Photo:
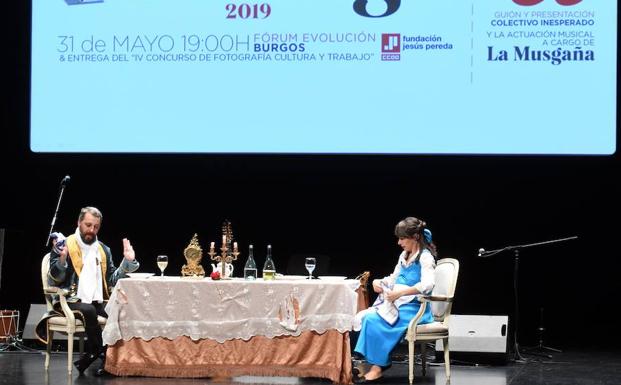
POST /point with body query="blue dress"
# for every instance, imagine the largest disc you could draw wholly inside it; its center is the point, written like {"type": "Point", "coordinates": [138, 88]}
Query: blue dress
{"type": "Point", "coordinates": [377, 337]}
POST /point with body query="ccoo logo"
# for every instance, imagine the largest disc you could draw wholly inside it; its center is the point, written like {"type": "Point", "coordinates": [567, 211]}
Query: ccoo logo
{"type": "Point", "coordinates": [391, 46]}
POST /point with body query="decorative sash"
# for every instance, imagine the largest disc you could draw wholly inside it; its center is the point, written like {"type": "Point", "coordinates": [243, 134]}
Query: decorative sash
{"type": "Point", "coordinates": [75, 253]}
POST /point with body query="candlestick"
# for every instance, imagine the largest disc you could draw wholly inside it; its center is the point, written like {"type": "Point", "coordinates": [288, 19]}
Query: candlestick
{"type": "Point", "coordinates": [226, 255]}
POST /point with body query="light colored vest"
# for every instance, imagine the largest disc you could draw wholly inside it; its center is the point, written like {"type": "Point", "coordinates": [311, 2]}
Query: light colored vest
{"type": "Point", "coordinates": [75, 253]}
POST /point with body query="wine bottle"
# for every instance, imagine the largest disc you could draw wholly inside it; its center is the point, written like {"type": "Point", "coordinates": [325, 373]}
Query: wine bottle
{"type": "Point", "coordinates": [269, 269]}
{"type": "Point", "coordinates": [250, 269]}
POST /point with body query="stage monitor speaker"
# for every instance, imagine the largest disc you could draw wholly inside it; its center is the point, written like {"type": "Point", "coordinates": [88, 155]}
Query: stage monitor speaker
{"type": "Point", "coordinates": [477, 336]}
{"type": "Point", "coordinates": [34, 315]}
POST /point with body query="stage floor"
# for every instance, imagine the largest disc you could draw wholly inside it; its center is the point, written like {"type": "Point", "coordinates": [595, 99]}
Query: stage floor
{"type": "Point", "coordinates": [570, 367]}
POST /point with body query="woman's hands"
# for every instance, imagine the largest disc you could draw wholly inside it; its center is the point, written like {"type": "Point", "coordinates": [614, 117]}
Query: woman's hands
{"type": "Point", "coordinates": [377, 286]}
{"type": "Point", "coordinates": [390, 295]}
{"type": "Point", "coordinates": [393, 295]}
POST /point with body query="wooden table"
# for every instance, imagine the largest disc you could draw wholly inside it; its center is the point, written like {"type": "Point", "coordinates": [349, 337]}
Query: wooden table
{"type": "Point", "coordinates": [174, 327]}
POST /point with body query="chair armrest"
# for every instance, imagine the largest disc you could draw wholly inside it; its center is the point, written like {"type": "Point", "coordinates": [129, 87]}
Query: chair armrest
{"type": "Point", "coordinates": [56, 290]}
{"type": "Point", "coordinates": [62, 296]}
{"type": "Point", "coordinates": [411, 332]}
{"type": "Point", "coordinates": [424, 299]}
{"type": "Point", "coordinates": [434, 298]}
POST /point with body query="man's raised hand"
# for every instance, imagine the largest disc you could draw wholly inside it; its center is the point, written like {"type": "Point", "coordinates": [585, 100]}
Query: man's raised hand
{"type": "Point", "coordinates": [128, 250]}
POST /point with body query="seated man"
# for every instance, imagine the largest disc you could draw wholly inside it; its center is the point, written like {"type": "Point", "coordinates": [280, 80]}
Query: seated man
{"type": "Point", "coordinates": [84, 266]}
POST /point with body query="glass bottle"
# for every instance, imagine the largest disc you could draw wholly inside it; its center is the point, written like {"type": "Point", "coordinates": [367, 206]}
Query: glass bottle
{"type": "Point", "coordinates": [269, 269]}
{"type": "Point", "coordinates": [250, 269]}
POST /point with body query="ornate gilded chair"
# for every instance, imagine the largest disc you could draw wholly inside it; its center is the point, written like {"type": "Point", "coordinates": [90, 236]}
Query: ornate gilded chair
{"type": "Point", "coordinates": [63, 321]}
{"type": "Point", "coordinates": [363, 291]}
{"type": "Point", "coordinates": [440, 300]}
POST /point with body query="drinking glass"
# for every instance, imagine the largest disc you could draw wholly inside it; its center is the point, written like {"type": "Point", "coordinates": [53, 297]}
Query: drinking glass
{"type": "Point", "coordinates": [310, 266]}
{"type": "Point", "coordinates": [162, 262]}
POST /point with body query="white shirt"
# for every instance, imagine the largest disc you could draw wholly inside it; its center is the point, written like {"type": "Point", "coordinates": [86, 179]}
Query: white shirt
{"type": "Point", "coordinates": [90, 286]}
{"type": "Point", "coordinates": [427, 272]}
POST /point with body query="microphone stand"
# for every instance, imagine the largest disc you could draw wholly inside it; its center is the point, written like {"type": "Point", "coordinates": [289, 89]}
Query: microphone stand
{"type": "Point", "coordinates": [63, 184]}
{"type": "Point", "coordinates": [516, 262]}
{"type": "Point", "coordinates": [541, 348]}
{"type": "Point", "coordinates": [15, 341]}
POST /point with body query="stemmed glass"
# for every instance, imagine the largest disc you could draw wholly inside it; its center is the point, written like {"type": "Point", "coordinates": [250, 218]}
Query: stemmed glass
{"type": "Point", "coordinates": [162, 262]}
{"type": "Point", "coordinates": [310, 263]}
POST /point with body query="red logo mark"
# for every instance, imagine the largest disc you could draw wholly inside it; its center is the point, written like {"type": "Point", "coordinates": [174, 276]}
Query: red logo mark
{"type": "Point", "coordinates": [391, 47]}
{"type": "Point", "coordinates": [391, 42]}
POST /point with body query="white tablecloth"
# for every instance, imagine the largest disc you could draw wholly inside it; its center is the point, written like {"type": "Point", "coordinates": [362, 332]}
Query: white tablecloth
{"type": "Point", "coordinates": [223, 310]}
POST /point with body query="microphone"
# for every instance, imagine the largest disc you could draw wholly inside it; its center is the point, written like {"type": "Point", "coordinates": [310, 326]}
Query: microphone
{"type": "Point", "coordinates": [481, 251]}
{"type": "Point", "coordinates": [65, 180]}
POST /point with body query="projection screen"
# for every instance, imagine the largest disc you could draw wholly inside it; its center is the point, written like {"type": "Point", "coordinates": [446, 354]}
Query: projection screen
{"type": "Point", "coordinates": [324, 76]}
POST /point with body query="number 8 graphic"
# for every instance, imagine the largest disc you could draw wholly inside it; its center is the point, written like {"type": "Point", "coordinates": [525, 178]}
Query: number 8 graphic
{"type": "Point", "coordinates": [360, 7]}
{"type": "Point", "coordinates": [535, 2]}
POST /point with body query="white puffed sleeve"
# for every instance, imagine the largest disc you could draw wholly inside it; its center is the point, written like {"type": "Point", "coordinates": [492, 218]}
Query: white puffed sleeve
{"type": "Point", "coordinates": [427, 273]}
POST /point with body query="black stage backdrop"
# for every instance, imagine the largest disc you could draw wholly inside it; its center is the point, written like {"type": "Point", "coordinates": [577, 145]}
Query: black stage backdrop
{"type": "Point", "coordinates": [341, 206]}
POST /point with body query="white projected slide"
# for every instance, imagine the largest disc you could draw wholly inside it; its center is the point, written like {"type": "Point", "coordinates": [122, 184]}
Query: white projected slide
{"type": "Point", "coordinates": [324, 76]}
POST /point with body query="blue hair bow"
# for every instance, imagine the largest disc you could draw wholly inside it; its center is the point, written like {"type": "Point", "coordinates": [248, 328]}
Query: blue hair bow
{"type": "Point", "coordinates": [427, 235]}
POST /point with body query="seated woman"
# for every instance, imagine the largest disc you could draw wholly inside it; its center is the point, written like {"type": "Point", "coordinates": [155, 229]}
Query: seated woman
{"type": "Point", "coordinates": [385, 323]}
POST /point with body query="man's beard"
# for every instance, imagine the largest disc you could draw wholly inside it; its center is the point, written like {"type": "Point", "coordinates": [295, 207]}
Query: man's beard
{"type": "Point", "coordinates": [88, 242]}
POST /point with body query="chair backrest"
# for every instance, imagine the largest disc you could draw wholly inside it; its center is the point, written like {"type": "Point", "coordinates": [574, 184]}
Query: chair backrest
{"type": "Point", "coordinates": [446, 273]}
{"type": "Point", "coordinates": [45, 269]}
